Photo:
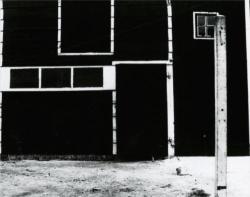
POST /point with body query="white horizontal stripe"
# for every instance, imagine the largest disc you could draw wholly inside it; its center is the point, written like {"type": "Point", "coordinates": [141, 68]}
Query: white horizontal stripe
{"type": "Point", "coordinates": [142, 62]}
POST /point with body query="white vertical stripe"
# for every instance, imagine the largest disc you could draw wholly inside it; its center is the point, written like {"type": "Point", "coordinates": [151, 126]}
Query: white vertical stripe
{"type": "Point", "coordinates": [109, 77]}
{"type": "Point", "coordinates": [169, 9]}
{"type": "Point", "coordinates": [114, 137]}
{"type": "Point", "coordinates": [114, 123]}
{"type": "Point", "coordinates": [40, 77]}
{"type": "Point", "coordinates": [170, 56]}
{"type": "Point", "coordinates": [220, 107]}
{"type": "Point", "coordinates": [112, 23]}
{"type": "Point", "coordinates": [170, 86]}
{"type": "Point", "coordinates": [170, 107]}
{"type": "Point", "coordinates": [71, 77]}
{"type": "Point", "coordinates": [170, 46]}
{"type": "Point", "coordinates": [170, 22]}
{"type": "Point", "coordinates": [114, 149]}
{"type": "Point", "coordinates": [170, 36]}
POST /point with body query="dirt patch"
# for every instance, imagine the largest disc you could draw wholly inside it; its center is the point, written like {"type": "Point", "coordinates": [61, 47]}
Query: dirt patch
{"type": "Point", "coordinates": [121, 179]}
{"type": "Point", "coordinates": [198, 193]}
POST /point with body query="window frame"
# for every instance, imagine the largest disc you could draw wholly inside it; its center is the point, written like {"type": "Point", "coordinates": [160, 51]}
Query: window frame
{"type": "Point", "coordinates": [109, 79]}
{"type": "Point", "coordinates": [195, 24]}
{"type": "Point", "coordinates": [90, 53]}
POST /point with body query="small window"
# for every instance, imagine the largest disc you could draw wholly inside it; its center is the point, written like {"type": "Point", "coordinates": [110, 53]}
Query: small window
{"type": "Point", "coordinates": [204, 24]}
{"type": "Point", "coordinates": [56, 78]}
{"type": "Point", "coordinates": [88, 77]}
{"type": "Point", "coordinates": [24, 78]}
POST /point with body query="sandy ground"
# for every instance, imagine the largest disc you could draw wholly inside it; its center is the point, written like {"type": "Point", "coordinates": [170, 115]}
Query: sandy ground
{"type": "Point", "coordinates": [125, 179]}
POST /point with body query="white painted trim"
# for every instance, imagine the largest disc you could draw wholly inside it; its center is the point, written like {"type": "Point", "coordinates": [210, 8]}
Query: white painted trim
{"type": "Point", "coordinates": [39, 77]}
{"type": "Point", "coordinates": [142, 62]}
{"type": "Point", "coordinates": [66, 66]}
{"type": "Point", "coordinates": [114, 123]}
{"type": "Point", "coordinates": [170, 98]}
{"type": "Point", "coordinates": [194, 24]}
{"type": "Point", "coordinates": [170, 30]}
{"type": "Point", "coordinates": [170, 110]}
{"type": "Point", "coordinates": [71, 77]}
{"type": "Point", "coordinates": [59, 34]}
{"type": "Point", "coordinates": [247, 20]}
{"type": "Point", "coordinates": [109, 79]}
{"type": "Point", "coordinates": [169, 8]}
{"type": "Point", "coordinates": [82, 54]}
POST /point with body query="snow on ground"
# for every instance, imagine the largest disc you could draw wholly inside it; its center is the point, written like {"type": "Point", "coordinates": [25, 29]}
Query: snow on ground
{"type": "Point", "coordinates": [123, 179]}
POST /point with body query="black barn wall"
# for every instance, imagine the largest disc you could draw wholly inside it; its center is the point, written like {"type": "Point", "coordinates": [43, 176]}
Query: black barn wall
{"type": "Point", "coordinates": [194, 80]}
{"type": "Point", "coordinates": [30, 33]}
{"type": "Point", "coordinates": [30, 39]}
{"type": "Point", "coordinates": [59, 123]}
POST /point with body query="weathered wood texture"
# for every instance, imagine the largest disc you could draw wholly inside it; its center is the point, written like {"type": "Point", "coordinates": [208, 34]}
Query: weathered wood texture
{"type": "Point", "coordinates": [170, 108]}
{"type": "Point", "coordinates": [220, 45]}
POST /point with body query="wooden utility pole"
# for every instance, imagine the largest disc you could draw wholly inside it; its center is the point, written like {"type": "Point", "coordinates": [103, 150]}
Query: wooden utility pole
{"type": "Point", "coordinates": [220, 107]}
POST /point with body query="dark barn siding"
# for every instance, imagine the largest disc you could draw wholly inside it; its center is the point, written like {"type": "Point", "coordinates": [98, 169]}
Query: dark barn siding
{"type": "Point", "coordinates": [30, 33]}
{"type": "Point", "coordinates": [86, 27]}
{"type": "Point", "coordinates": [57, 123]}
{"type": "Point", "coordinates": [141, 111]}
{"type": "Point", "coordinates": [194, 81]}
{"type": "Point", "coordinates": [141, 30]}
{"type": "Point", "coordinates": [30, 36]}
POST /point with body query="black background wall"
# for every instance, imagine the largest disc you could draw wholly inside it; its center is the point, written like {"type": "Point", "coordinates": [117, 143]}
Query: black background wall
{"type": "Point", "coordinates": [194, 80]}
{"type": "Point", "coordinates": [57, 123]}
{"type": "Point", "coordinates": [30, 32]}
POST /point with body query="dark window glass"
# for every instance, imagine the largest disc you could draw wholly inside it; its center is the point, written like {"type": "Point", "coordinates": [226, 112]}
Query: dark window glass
{"type": "Point", "coordinates": [211, 20]}
{"type": "Point", "coordinates": [86, 26]}
{"type": "Point", "coordinates": [201, 20]}
{"type": "Point", "coordinates": [205, 25]}
{"type": "Point", "coordinates": [201, 31]}
{"type": "Point", "coordinates": [24, 78]}
{"type": "Point", "coordinates": [210, 31]}
{"type": "Point", "coordinates": [56, 78]}
{"type": "Point", "coordinates": [88, 77]}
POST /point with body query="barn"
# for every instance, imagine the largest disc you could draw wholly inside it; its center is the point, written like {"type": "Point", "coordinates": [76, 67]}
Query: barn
{"type": "Point", "coordinates": [112, 79]}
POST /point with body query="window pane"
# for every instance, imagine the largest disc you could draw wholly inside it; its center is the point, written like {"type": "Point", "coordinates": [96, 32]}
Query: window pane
{"type": "Point", "coordinates": [24, 78]}
{"type": "Point", "coordinates": [88, 77]}
{"type": "Point", "coordinates": [201, 31]}
{"type": "Point", "coordinates": [86, 26]}
{"type": "Point", "coordinates": [210, 20]}
{"type": "Point", "coordinates": [210, 31]}
{"type": "Point", "coordinates": [55, 78]}
{"type": "Point", "coordinates": [200, 20]}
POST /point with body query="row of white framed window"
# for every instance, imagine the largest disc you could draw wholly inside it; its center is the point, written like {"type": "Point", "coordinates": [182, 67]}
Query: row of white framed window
{"type": "Point", "coordinates": [66, 78]}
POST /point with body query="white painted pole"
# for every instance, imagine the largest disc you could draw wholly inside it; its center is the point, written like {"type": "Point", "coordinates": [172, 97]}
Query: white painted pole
{"type": "Point", "coordinates": [247, 20]}
{"type": "Point", "coordinates": [220, 107]}
{"type": "Point", "coordinates": [170, 85]}
{"type": "Point", "coordinates": [170, 106]}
